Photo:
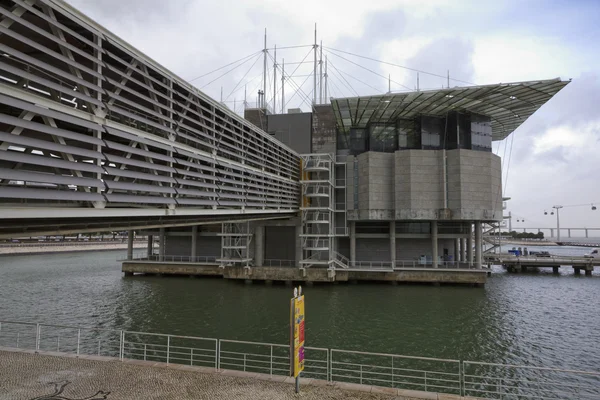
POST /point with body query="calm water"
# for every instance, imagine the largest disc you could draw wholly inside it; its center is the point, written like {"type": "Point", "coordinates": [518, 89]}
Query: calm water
{"type": "Point", "coordinates": [534, 319]}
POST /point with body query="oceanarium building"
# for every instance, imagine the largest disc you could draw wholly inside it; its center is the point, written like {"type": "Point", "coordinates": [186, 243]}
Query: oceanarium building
{"type": "Point", "coordinates": [395, 180]}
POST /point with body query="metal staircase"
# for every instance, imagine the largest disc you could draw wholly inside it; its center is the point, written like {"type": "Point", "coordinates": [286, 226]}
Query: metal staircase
{"type": "Point", "coordinates": [235, 244]}
{"type": "Point", "coordinates": [318, 208]}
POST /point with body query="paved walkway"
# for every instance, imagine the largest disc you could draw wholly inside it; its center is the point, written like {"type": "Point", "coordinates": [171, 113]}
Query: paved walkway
{"type": "Point", "coordinates": [25, 375]}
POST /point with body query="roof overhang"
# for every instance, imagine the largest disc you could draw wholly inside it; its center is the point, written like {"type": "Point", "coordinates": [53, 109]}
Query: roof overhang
{"type": "Point", "coordinates": [507, 104]}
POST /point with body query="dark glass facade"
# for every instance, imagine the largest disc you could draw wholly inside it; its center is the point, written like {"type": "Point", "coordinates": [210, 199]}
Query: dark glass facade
{"type": "Point", "coordinates": [453, 131]}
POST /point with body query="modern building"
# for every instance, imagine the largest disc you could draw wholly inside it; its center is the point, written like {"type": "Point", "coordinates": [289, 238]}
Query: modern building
{"type": "Point", "coordinates": [400, 179]}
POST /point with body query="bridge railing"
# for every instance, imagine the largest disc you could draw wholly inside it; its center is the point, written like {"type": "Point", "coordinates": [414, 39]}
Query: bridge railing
{"type": "Point", "coordinates": [466, 378]}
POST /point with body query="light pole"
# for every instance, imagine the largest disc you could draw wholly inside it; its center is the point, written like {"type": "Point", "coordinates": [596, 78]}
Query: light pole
{"type": "Point", "coordinates": [557, 208]}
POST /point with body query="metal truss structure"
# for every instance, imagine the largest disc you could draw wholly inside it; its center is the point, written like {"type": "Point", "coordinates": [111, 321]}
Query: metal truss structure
{"type": "Point", "coordinates": [91, 127]}
{"type": "Point", "coordinates": [236, 238]}
{"type": "Point", "coordinates": [318, 210]}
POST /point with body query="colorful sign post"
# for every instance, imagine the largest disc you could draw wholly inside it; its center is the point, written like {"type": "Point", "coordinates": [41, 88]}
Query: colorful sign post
{"type": "Point", "coordinates": [297, 335]}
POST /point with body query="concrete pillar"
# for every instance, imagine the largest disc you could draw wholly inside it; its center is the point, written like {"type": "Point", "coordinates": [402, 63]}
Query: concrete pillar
{"type": "Point", "coordinates": [569, 232]}
{"type": "Point", "coordinates": [470, 248]}
{"type": "Point", "coordinates": [161, 245]}
{"type": "Point", "coordinates": [589, 271]}
{"type": "Point", "coordinates": [298, 245]}
{"type": "Point", "coordinates": [194, 252]}
{"type": "Point", "coordinates": [551, 232]}
{"type": "Point", "coordinates": [555, 270]}
{"type": "Point", "coordinates": [393, 243]}
{"type": "Point", "coordinates": [478, 245]}
{"type": "Point", "coordinates": [434, 244]}
{"type": "Point", "coordinates": [259, 245]}
{"type": "Point", "coordinates": [463, 250]}
{"type": "Point", "coordinates": [130, 245]}
{"type": "Point", "coordinates": [150, 248]}
{"type": "Point", "coordinates": [586, 233]}
{"type": "Point", "coordinates": [456, 251]}
{"type": "Point", "coordinates": [352, 242]}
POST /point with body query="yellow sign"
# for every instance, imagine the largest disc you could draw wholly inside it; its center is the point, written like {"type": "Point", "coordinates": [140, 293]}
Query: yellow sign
{"type": "Point", "coordinates": [298, 319]}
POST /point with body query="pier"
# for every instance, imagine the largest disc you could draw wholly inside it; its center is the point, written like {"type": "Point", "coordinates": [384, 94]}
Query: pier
{"type": "Point", "coordinates": [522, 263]}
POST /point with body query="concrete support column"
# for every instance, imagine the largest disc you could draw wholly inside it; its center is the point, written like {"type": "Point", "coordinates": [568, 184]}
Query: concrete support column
{"type": "Point", "coordinates": [434, 244]}
{"type": "Point", "coordinates": [586, 233]}
{"type": "Point", "coordinates": [150, 249]}
{"type": "Point", "coordinates": [456, 251]}
{"type": "Point", "coordinates": [194, 252]}
{"type": "Point", "coordinates": [161, 245]}
{"type": "Point", "coordinates": [470, 247]}
{"type": "Point", "coordinates": [463, 249]}
{"type": "Point", "coordinates": [130, 245]}
{"type": "Point", "coordinates": [259, 245]}
{"type": "Point", "coordinates": [298, 245]}
{"type": "Point", "coordinates": [478, 245]}
{"type": "Point", "coordinates": [393, 243]}
{"type": "Point", "coordinates": [352, 242]}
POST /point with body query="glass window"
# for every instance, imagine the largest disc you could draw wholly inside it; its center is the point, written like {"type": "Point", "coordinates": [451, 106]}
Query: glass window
{"type": "Point", "coordinates": [382, 138]}
{"type": "Point", "coordinates": [409, 134]}
{"type": "Point", "coordinates": [431, 130]}
{"type": "Point", "coordinates": [358, 141]}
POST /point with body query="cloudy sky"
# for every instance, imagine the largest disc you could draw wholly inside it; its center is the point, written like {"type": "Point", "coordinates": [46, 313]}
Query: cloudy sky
{"type": "Point", "coordinates": [555, 156]}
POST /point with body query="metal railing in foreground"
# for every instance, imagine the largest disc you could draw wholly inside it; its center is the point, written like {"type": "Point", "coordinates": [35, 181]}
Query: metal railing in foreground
{"type": "Point", "coordinates": [466, 378]}
{"type": "Point", "coordinates": [528, 382]}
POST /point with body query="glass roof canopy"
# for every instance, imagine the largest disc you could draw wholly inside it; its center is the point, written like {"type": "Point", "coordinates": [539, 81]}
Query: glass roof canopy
{"type": "Point", "coordinates": [507, 104]}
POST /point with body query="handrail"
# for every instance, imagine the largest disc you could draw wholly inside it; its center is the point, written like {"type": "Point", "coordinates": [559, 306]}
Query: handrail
{"type": "Point", "coordinates": [465, 378]}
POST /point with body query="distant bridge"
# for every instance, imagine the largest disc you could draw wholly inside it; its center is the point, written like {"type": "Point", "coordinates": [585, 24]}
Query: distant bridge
{"type": "Point", "coordinates": [97, 136]}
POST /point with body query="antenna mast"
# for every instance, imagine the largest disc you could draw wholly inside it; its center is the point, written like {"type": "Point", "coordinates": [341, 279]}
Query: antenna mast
{"type": "Point", "coordinates": [275, 80]}
{"type": "Point", "coordinates": [326, 78]}
{"type": "Point", "coordinates": [321, 75]}
{"type": "Point", "coordinates": [264, 71]}
{"type": "Point", "coordinates": [283, 85]}
{"type": "Point", "coordinates": [315, 68]}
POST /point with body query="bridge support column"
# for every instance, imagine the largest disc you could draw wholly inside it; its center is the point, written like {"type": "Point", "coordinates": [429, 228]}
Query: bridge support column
{"type": "Point", "coordinates": [194, 252]}
{"type": "Point", "coordinates": [130, 245]}
{"type": "Point", "coordinates": [470, 250]}
{"type": "Point", "coordinates": [569, 232]}
{"type": "Point", "coordinates": [434, 244]}
{"type": "Point", "coordinates": [586, 233]}
{"type": "Point", "coordinates": [456, 251]}
{"type": "Point", "coordinates": [352, 242]}
{"type": "Point", "coordinates": [393, 243]}
{"type": "Point", "coordinates": [576, 271]}
{"type": "Point", "coordinates": [259, 245]}
{"type": "Point", "coordinates": [150, 249]}
{"type": "Point", "coordinates": [161, 245]}
{"type": "Point", "coordinates": [478, 245]}
{"type": "Point", "coordinates": [555, 270]}
{"type": "Point", "coordinates": [589, 271]}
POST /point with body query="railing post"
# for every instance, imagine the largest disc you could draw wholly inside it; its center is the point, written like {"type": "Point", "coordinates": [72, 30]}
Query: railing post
{"type": "Point", "coordinates": [392, 371]}
{"type": "Point", "coordinates": [78, 340]}
{"type": "Point", "coordinates": [37, 337]}
{"type": "Point", "coordinates": [327, 367]}
{"type": "Point", "coordinates": [18, 334]}
{"type": "Point", "coordinates": [122, 339]}
{"type": "Point", "coordinates": [244, 362]}
{"type": "Point", "coordinates": [361, 374]}
{"type": "Point", "coordinates": [425, 380]}
{"type": "Point", "coordinates": [99, 346]}
{"type": "Point", "coordinates": [192, 357]}
{"type": "Point", "coordinates": [271, 368]}
{"type": "Point", "coordinates": [168, 347]}
{"type": "Point", "coordinates": [461, 377]}
{"type": "Point", "coordinates": [218, 355]}
{"type": "Point", "coordinates": [145, 346]}
{"type": "Point", "coordinates": [58, 343]}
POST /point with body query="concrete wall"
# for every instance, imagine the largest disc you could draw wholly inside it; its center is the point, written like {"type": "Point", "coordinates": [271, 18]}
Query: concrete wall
{"type": "Point", "coordinates": [280, 243]}
{"type": "Point", "coordinates": [294, 130]}
{"type": "Point", "coordinates": [257, 116]}
{"type": "Point", "coordinates": [373, 249]}
{"type": "Point", "coordinates": [409, 185]}
{"type": "Point", "coordinates": [378, 249]}
{"type": "Point", "coordinates": [182, 245]}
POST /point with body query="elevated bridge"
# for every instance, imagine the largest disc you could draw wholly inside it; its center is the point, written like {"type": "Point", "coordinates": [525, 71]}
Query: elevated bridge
{"type": "Point", "coordinates": [94, 135]}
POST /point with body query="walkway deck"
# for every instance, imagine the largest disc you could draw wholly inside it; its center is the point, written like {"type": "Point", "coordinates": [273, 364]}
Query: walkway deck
{"type": "Point", "coordinates": [26, 375]}
{"type": "Point", "coordinates": [522, 263]}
